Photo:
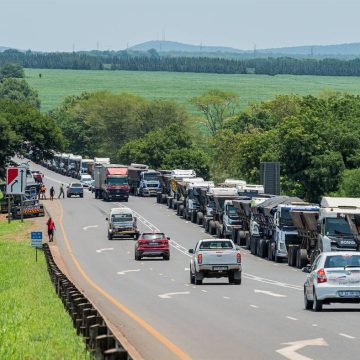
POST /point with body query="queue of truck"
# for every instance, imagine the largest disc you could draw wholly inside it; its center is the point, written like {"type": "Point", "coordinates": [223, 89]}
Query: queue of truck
{"type": "Point", "coordinates": [278, 228]}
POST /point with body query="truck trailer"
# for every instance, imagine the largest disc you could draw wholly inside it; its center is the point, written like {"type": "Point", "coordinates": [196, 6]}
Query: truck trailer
{"type": "Point", "coordinates": [111, 182]}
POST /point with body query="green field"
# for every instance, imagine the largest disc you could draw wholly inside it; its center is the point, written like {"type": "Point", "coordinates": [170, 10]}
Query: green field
{"type": "Point", "coordinates": [33, 322]}
{"type": "Point", "coordinates": [55, 85]}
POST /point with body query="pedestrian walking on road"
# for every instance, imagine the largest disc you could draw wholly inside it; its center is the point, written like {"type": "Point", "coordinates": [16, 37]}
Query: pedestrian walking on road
{"type": "Point", "coordinates": [61, 191]}
{"type": "Point", "coordinates": [52, 193]}
{"type": "Point", "coordinates": [43, 192]}
{"type": "Point", "coordinates": [51, 228]}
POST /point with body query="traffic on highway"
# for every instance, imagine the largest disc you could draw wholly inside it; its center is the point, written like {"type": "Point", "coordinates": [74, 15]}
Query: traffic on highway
{"type": "Point", "coordinates": [289, 256]}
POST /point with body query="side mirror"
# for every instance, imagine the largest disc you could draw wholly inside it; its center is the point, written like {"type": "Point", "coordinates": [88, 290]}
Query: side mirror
{"type": "Point", "coordinates": [306, 269]}
{"type": "Point", "coordinates": [318, 228]}
{"type": "Point", "coordinates": [168, 237]}
{"type": "Point", "coordinates": [191, 251]}
{"type": "Point", "coordinates": [107, 219]}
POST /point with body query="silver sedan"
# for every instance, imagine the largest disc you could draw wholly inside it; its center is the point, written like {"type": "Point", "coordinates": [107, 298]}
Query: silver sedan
{"type": "Point", "coordinates": [334, 277]}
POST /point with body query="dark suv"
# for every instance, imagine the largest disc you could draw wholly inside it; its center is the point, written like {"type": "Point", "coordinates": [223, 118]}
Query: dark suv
{"type": "Point", "coordinates": [75, 189]}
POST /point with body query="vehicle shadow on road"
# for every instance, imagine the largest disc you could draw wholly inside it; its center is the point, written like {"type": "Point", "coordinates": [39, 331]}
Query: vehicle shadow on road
{"type": "Point", "coordinates": [341, 310]}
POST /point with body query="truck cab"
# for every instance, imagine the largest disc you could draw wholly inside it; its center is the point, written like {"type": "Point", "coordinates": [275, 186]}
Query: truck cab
{"type": "Point", "coordinates": [149, 183]}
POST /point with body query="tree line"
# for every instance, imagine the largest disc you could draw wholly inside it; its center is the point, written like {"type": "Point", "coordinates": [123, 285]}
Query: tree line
{"type": "Point", "coordinates": [152, 61]}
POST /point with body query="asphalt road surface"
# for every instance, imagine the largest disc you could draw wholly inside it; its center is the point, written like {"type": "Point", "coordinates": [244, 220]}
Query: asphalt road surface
{"type": "Point", "coordinates": [165, 317]}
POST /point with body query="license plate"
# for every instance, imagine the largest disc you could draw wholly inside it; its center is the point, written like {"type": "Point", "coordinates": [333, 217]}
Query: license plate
{"type": "Point", "coordinates": [220, 268]}
{"type": "Point", "coordinates": [349, 293]}
{"type": "Point", "coordinates": [153, 244]}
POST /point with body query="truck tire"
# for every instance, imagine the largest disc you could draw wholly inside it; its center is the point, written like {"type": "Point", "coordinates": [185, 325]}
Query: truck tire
{"type": "Point", "coordinates": [110, 236]}
{"type": "Point", "coordinates": [206, 223]}
{"type": "Point", "coordinates": [212, 227]}
{"type": "Point", "coordinates": [193, 217]}
{"type": "Point", "coordinates": [248, 237]}
{"type": "Point", "coordinates": [301, 258]}
{"type": "Point", "coordinates": [181, 210]}
{"type": "Point", "coordinates": [219, 231]}
{"type": "Point", "coordinates": [242, 237]}
{"type": "Point", "coordinates": [175, 204]}
{"type": "Point", "coordinates": [163, 199]}
{"type": "Point", "coordinates": [270, 255]}
{"type": "Point", "coordinates": [96, 194]}
{"type": "Point", "coordinates": [292, 257]}
{"type": "Point", "coordinates": [234, 235]}
{"type": "Point", "coordinates": [262, 248]}
{"type": "Point", "coordinates": [158, 198]}
{"type": "Point", "coordinates": [199, 218]}
{"type": "Point", "coordinates": [185, 214]}
{"type": "Point", "coordinates": [168, 202]}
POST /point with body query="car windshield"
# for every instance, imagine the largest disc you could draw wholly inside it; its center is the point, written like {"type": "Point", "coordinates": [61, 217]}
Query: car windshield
{"type": "Point", "coordinates": [158, 236]}
{"type": "Point", "coordinates": [117, 180]}
{"type": "Point", "coordinates": [151, 177]}
{"type": "Point", "coordinates": [285, 217]}
{"type": "Point", "coordinates": [334, 261]}
{"type": "Point", "coordinates": [337, 226]}
{"type": "Point", "coordinates": [76, 185]}
{"type": "Point", "coordinates": [86, 178]}
{"type": "Point", "coordinates": [215, 245]}
{"type": "Point", "coordinates": [121, 217]}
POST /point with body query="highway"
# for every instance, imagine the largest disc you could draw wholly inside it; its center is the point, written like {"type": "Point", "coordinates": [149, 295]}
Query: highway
{"type": "Point", "coordinates": [165, 317]}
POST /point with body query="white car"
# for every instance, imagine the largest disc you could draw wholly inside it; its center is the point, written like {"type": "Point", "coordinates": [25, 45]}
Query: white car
{"type": "Point", "coordinates": [334, 277]}
{"type": "Point", "coordinates": [85, 180]}
{"type": "Point", "coordinates": [215, 258]}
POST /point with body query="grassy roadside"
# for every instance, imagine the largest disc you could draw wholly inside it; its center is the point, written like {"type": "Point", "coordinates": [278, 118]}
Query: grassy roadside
{"type": "Point", "coordinates": [33, 321]}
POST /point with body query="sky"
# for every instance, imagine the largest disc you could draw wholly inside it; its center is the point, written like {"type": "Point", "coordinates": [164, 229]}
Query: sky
{"type": "Point", "coordinates": [67, 25]}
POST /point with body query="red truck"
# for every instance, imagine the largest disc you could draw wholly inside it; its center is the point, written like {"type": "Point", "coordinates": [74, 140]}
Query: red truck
{"type": "Point", "coordinates": [111, 182]}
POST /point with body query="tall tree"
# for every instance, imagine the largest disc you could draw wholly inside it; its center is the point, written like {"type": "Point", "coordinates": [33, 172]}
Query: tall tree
{"type": "Point", "coordinates": [11, 71]}
{"type": "Point", "coordinates": [217, 106]}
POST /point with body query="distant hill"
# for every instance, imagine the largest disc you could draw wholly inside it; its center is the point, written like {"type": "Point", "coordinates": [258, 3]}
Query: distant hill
{"type": "Point", "coordinates": [172, 46]}
{"type": "Point", "coordinates": [352, 49]}
{"type": "Point", "coordinates": [3, 48]}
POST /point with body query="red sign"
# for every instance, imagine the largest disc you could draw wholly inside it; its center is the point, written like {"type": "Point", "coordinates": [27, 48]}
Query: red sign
{"type": "Point", "coordinates": [11, 175]}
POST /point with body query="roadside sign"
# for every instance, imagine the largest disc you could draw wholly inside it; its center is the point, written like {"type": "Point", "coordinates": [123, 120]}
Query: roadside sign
{"type": "Point", "coordinates": [15, 180]}
{"type": "Point", "coordinates": [36, 239]}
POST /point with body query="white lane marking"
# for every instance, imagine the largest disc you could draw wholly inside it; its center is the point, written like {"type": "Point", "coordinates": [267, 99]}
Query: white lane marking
{"type": "Point", "coordinates": [292, 318]}
{"type": "Point", "coordinates": [90, 227]}
{"type": "Point", "coordinates": [127, 271]}
{"type": "Point", "coordinates": [187, 285]}
{"type": "Point", "coordinates": [226, 298]}
{"type": "Point", "coordinates": [160, 274]}
{"type": "Point", "coordinates": [314, 325]}
{"type": "Point", "coordinates": [272, 282]}
{"type": "Point", "coordinates": [172, 279]}
{"type": "Point", "coordinates": [186, 269]}
{"type": "Point", "coordinates": [105, 249]}
{"type": "Point", "coordinates": [347, 336]}
{"type": "Point", "coordinates": [270, 293]}
{"type": "Point", "coordinates": [169, 295]}
{"type": "Point", "coordinates": [205, 291]}
{"type": "Point", "coordinates": [290, 351]}
{"type": "Point", "coordinates": [254, 306]}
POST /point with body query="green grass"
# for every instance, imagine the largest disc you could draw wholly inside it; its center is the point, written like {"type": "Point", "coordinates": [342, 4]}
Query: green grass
{"type": "Point", "coordinates": [33, 321]}
{"type": "Point", "coordinates": [55, 85]}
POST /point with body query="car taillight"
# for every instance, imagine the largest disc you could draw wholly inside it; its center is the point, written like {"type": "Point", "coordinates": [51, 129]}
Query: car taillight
{"type": "Point", "coordinates": [199, 258]}
{"type": "Point", "coordinates": [321, 276]}
{"type": "Point", "coordinates": [238, 257]}
{"type": "Point", "coordinates": [142, 242]}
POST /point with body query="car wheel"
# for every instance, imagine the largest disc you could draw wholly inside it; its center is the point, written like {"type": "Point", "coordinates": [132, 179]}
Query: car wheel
{"type": "Point", "coordinates": [231, 278]}
{"type": "Point", "coordinates": [110, 237]}
{"type": "Point", "coordinates": [318, 304]}
{"type": "Point", "coordinates": [308, 304]}
{"type": "Point", "coordinates": [81, 195]}
{"type": "Point", "coordinates": [166, 257]}
{"type": "Point", "coordinates": [198, 281]}
{"type": "Point", "coordinates": [137, 256]}
{"type": "Point", "coordinates": [192, 277]}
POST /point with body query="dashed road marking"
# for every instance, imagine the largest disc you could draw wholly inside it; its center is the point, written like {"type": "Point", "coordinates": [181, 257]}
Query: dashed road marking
{"type": "Point", "coordinates": [127, 271]}
{"type": "Point", "coordinates": [347, 336]}
{"type": "Point", "coordinates": [254, 306]}
{"type": "Point", "coordinates": [292, 318]}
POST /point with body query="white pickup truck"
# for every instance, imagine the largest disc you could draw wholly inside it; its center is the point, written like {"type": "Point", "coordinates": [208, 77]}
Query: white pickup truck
{"type": "Point", "coordinates": [215, 258]}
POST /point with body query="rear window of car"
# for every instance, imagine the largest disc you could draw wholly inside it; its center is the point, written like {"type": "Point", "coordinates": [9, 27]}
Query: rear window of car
{"type": "Point", "coordinates": [216, 245]}
{"type": "Point", "coordinates": [76, 185]}
{"type": "Point", "coordinates": [334, 261]}
{"type": "Point", "coordinates": [153, 236]}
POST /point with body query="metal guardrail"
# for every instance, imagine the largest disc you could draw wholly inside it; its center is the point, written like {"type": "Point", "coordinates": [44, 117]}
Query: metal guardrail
{"type": "Point", "coordinates": [99, 339]}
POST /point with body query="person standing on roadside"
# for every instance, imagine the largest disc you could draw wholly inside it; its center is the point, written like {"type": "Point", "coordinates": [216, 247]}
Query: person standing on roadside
{"type": "Point", "coordinates": [52, 193]}
{"type": "Point", "coordinates": [61, 191]}
{"type": "Point", "coordinates": [51, 228]}
{"type": "Point", "coordinates": [43, 192]}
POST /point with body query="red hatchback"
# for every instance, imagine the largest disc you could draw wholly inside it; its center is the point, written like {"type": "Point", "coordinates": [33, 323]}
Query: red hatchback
{"type": "Point", "coordinates": [152, 244]}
